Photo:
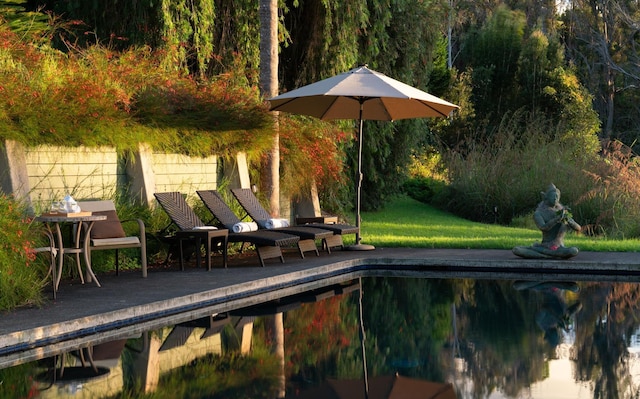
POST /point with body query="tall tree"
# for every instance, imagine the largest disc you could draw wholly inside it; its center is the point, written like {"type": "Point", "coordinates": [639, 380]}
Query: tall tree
{"type": "Point", "coordinates": [268, 89]}
{"type": "Point", "coordinates": [602, 38]}
{"type": "Point", "coordinates": [271, 165]}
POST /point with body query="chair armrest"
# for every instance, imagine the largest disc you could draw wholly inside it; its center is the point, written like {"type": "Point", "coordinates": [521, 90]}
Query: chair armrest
{"type": "Point", "coordinates": [141, 225]}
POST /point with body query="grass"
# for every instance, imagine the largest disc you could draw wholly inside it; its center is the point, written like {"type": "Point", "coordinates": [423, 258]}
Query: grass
{"type": "Point", "coordinates": [405, 222]}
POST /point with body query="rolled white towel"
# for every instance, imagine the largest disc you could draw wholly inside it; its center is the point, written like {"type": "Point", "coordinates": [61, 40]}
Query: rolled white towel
{"type": "Point", "coordinates": [241, 227]}
{"type": "Point", "coordinates": [276, 223]}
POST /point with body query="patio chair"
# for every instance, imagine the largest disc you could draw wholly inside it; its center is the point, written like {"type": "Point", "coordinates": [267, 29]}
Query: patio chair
{"type": "Point", "coordinates": [268, 244]}
{"type": "Point", "coordinates": [221, 211]}
{"type": "Point", "coordinates": [110, 235]}
{"type": "Point", "coordinates": [256, 211]}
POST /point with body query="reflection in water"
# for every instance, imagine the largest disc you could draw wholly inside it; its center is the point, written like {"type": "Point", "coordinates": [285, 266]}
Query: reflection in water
{"type": "Point", "coordinates": [554, 316]}
{"type": "Point", "coordinates": [97, 366]}
{"type": "Point", "coordinates": [608, 321]}
{"type": "Point", "coordinates": [490, 338]}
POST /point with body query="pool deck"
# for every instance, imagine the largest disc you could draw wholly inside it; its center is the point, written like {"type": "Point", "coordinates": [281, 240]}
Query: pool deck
{"type": "Point", "coordinates": [128, 304]}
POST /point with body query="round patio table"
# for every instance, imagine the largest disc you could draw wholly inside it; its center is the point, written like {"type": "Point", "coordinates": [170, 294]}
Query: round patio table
{"type": "Point", "coordinates": [80, 241]}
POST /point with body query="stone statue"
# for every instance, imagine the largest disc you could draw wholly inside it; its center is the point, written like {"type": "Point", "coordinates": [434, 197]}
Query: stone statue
{"type": "Point", "coordinates": [554, 220]}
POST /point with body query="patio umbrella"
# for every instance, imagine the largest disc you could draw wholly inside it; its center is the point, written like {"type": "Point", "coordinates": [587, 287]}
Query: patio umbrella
{"type": "Point", "coordinates": [382, 387]}
{"type": "Point", "coordinates": [362, 94]}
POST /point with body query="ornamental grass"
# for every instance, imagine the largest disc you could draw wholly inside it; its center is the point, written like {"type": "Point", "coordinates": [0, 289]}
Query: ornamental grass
{"type": "Point", "coordinates": [21, 270]}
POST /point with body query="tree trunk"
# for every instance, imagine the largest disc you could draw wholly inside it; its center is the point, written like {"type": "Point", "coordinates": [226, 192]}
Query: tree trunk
{"type": "Point", "coordinates": [271, 166]}
{"type": "Point", "coordinates": [278, 350]}
{"type": "Point", "coordinates": [270, 175]}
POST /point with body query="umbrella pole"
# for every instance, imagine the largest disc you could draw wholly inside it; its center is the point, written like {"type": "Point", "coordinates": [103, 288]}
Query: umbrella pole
{"type": "Point", "coordinates": [358, 246]}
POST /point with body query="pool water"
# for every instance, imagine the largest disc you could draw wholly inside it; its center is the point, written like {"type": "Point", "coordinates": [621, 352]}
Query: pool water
{"type": "Point", "coordinates": [487, 338]}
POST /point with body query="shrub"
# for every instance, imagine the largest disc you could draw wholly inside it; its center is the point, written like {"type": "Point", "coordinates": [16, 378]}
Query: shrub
{"type": "Point", "coordinates": [609, 200]}
{"type": "Point", "coordinates": [502, 178]}
{"type": "Point", "coordinates": [19, 266]}
{"type": "Point", "coordinates": [101, 97]}
{"type": "Point", "coordinates": [423, 189]}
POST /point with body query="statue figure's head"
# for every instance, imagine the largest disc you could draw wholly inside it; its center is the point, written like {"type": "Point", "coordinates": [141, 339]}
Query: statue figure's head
{"type": "Point", "coordinates": [552, 196]}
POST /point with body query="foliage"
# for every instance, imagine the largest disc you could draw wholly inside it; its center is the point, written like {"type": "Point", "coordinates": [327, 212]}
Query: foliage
{"type": "Point", "coordinates": [318, 336]}
{"type": "Point", "coordinates": [236, 39]}
{"type": "Point", "coordinates": [407, 321]}
{"type": "Point", "coordinates": [18, 381]}
{"type": "Point", "coordinates": [310, 152]}
{"type": "Point", "coordinates": [30, 23]}
{"type": "Point", "coordinates": [99, 97]}
{"type": "Point", "coordinates": [21, 271]}
{"type": "Point", "coordinates": [499, 180]}
{"type": "Point", "coordinates": [495, 312]}
{"type": "Point", "coordinates": [203, 38]}
{"type": "Point", "coordinates": [187, 28]}
{"type": "Point", "coordinates": [513, 70]}
{"type": "Point", "coordinates": [228, 376]}
{"type": "Point", "coordinates": [324, 40]}
{"type": "Point", "coordinates": [423, 188]}
{"type": "Point", "coordinates": [110, 22]}
{"type": "Point", "coordinates": [493, 52]}
{"type": "Point", "coordinates": [506, 172]}
{"type": "Point", "coordinates": [607, 201]}
{"type": "Point", "coordinates": [427, 177]}
{"type": "Point", "coordinates": [601, 41]}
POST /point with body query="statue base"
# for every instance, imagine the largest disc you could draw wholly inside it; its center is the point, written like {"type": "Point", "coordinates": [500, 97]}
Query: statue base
{"type": "Point", "coordinates": [540, 252]}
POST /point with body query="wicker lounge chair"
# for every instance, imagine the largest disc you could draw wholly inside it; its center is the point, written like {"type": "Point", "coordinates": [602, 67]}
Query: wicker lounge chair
{"type": "Point", "coordinates": [308, 235]}
{"type": "Point", "coordinates": [182, 215]}
{"type": "Point", "coordinates": [252, 206]}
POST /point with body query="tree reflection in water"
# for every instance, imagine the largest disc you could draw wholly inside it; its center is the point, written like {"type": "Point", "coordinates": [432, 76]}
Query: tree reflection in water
{"type": "Point", "coordinates": [499, 341]}
{"type": "Point", "coordinates": [506, 336]}
{"type": "Point", "coordinates": [605, 328]}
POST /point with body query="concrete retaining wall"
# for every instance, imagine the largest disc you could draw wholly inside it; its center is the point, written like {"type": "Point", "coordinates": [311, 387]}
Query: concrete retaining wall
{"type": "Point", "coordinates": [44, 174]}
{"type": "Point", "coordinates": [83, 172]}
{"type": "Point", "coordinates": [174, 172]}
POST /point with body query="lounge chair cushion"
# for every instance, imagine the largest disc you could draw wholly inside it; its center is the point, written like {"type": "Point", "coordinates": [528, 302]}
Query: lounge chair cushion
{"type": "Point", "coordinates": [110, 228]}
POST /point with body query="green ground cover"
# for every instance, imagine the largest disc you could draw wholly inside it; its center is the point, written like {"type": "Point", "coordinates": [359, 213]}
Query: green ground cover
{"type": "Point", "coordinates": [405, 222]}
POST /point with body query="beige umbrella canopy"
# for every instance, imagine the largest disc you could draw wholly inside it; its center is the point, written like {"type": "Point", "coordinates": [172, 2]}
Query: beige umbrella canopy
{"type": "Point", "coordinates": [362, 94]}
{"type": "Point", "coordinates": [383, 387]}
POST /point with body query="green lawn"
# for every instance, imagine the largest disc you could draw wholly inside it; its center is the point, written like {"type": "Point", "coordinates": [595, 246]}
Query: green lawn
{"type": "Point", "coordinates": [405, 222]}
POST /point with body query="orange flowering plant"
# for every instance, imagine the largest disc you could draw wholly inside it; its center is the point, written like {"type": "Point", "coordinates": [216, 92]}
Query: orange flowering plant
{"type": "Point", "coordinates": [311, 151]}
{"type": "Point", "coordinates": [98, 97]}
{"type": "Point", "coordinates": [19, 267]}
